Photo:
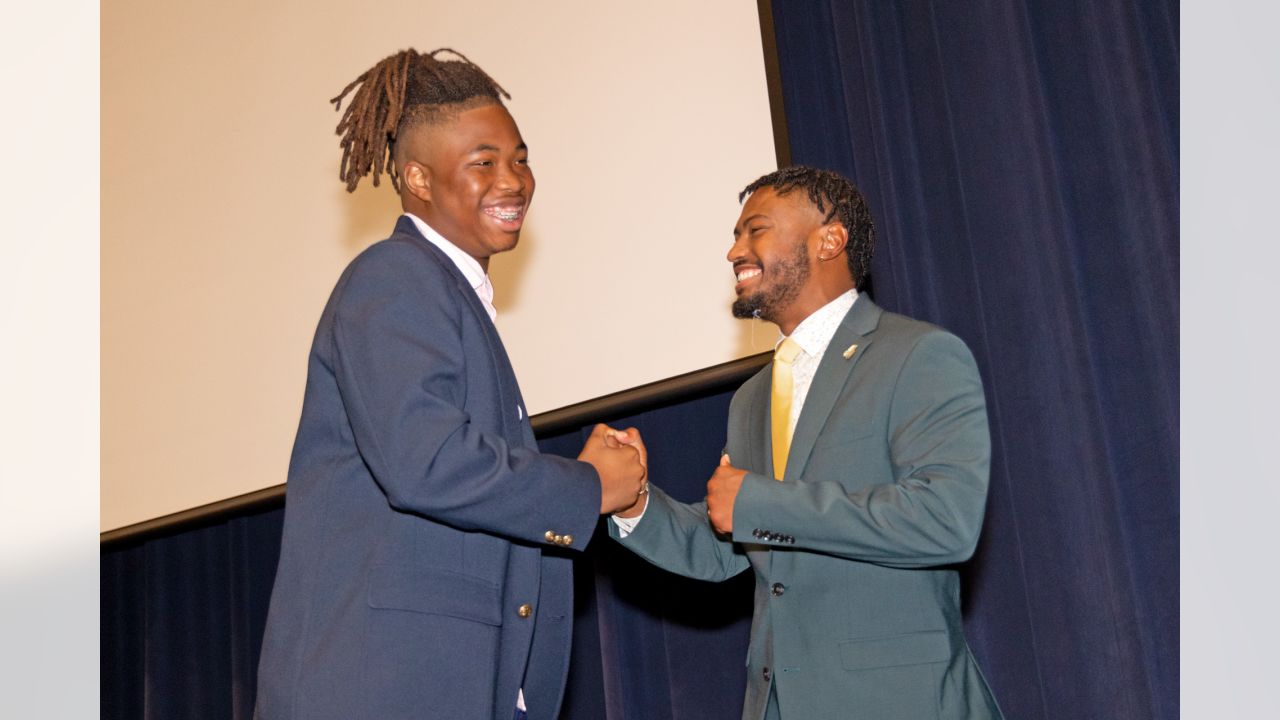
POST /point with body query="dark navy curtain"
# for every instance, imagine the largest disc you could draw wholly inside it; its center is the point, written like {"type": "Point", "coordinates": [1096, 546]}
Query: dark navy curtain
{"type": "Point", "coordinates": [182, 618]}
{"type": "Point", "coordinates": [1021, 161]}
{"type": "Point", "coordinates": [656, 646]}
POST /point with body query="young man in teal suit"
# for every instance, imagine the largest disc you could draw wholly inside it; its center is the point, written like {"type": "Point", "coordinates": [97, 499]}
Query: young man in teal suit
{"type": "Point", "coordinates": [424, 570]}
{"type": "Point", "coordinates": [854, 479]}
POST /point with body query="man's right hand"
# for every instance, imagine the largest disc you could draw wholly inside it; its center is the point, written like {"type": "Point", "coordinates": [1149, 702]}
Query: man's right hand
{"type": "Point", "coordinates": [622, 474]}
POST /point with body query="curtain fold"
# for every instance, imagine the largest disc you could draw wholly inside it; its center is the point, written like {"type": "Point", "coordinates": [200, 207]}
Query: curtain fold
{"type": "Point", "coordinates": [182, 620]}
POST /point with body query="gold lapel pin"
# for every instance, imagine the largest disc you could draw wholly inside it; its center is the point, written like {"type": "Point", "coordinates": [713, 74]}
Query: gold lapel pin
{"type": "Point", "coordinates": [852, 349]}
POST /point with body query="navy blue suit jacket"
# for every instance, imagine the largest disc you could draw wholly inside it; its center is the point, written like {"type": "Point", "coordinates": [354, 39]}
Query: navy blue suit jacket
{"type": "Point", "coordinates": [417, 578]}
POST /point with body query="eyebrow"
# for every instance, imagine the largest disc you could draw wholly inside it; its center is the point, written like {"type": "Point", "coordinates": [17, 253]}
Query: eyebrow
{"type": "Point", "coordinates": [485, 147]}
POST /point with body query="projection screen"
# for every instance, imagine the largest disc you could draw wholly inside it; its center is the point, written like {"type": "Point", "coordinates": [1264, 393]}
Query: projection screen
{"type": "Point", "coordinates": [224, 225]}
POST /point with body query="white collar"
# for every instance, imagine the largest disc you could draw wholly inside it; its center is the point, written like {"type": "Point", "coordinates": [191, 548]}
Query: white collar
{"type": "Point", "coordinates": [814, 333]}
{"type": "Point", "coordinates": [469, 266]}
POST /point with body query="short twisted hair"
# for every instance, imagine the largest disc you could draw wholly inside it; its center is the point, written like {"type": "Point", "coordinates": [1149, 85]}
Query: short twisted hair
{"type": "Point", "coordinates": [828, 189]}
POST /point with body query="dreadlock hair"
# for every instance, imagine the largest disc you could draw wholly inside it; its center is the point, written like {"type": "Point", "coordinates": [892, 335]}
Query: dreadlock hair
{"type": "Point", "coordinates": [823, 188]}
{"type": "Point", "coordinates": [402, 91]}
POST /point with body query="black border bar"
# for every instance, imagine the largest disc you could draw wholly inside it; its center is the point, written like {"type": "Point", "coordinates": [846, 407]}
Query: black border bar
{"type": "Point", "coordinates": [773, 77]}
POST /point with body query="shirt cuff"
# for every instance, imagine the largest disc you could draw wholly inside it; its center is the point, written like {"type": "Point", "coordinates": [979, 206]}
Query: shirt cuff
{"type": "Point", "coordinates": [628, 525]}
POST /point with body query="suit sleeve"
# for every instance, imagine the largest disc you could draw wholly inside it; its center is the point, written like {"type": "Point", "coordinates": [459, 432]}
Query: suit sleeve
{"type": "Point", "coordinates": [677, 537]}
{"type": "Point", "coordinates": [930, 511]}
{"type": "Point", "coordinates": [400, 368]}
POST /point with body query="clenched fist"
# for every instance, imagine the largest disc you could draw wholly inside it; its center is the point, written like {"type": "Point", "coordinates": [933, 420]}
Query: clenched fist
{"type": "Point", "coordinates": [722, 491]}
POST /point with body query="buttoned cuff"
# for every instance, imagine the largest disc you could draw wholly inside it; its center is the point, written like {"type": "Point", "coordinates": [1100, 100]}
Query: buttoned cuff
{"type": "Point", "coordinates": [752, 519]}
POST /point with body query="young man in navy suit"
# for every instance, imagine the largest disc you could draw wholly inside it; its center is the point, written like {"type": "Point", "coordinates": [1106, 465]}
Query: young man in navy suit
{"type": "Point", "coordinates": [423, 571]}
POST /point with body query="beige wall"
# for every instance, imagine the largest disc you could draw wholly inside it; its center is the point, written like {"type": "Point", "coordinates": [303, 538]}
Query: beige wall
{"type": "Point", "coordinates": [224, 225]}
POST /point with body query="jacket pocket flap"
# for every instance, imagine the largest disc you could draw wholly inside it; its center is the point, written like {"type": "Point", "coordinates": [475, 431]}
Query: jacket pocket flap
{"type": "Point", "coordinates": [435, 592]}
{"type": "Point", "coordinates": [910, 649]}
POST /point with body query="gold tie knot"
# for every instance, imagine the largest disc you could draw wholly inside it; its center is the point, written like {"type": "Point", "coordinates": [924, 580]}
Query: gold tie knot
{"type": "Point", "coordinates": [787, 351]}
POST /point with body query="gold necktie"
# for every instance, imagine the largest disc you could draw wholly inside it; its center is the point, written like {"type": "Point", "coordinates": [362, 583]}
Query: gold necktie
{"type": "Point", "coordinates": [780, 406]}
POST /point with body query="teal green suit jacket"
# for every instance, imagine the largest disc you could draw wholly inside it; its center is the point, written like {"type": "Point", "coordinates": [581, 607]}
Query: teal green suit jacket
{"type": "Point", "coordinates": [857, 600]}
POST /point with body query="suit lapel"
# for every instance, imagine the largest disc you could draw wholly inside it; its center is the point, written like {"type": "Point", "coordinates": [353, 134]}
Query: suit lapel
{"type": "Point", "coordinates": [508, 388]}
{"type": "Point", "coordinates": [833, 373]}
{"type": "Point", "coordinates": [760, 458]}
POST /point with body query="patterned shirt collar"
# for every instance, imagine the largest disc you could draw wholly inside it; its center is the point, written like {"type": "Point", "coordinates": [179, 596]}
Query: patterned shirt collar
{"type": "Point", "coordinates": [814, 333]}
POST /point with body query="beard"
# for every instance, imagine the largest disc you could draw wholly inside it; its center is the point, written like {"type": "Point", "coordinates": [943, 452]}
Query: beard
{"type": "Point", "coordinates": [787, 278]}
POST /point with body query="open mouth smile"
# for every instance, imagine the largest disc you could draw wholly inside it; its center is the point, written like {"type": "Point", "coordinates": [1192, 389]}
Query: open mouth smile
{"type": "Point", "coordinates": [744, 274]}
{"type": "Point", "coordinates": [508, 217]}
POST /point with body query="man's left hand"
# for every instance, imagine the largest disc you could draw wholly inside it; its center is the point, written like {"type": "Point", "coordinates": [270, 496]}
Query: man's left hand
{"type": "Point", "coordinates": [722, 491]}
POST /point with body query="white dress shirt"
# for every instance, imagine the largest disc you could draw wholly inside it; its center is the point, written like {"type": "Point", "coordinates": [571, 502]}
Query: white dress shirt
{"type": "Point", "coordinates": [469, 266]}
{"type": "Point", "coordinates": [813, 335]}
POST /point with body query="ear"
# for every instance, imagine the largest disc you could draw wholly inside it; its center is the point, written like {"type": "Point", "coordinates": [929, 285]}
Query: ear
{"type": "Point", "coordinates": [415, 178]}
{"type": "Point", "coordinates": [833, 238]}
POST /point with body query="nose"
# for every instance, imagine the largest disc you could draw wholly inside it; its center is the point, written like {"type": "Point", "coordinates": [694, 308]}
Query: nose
{"type": "Point", "coordinates": [737, 250]}
{"type": "Point", "coordinates": [513, 178]}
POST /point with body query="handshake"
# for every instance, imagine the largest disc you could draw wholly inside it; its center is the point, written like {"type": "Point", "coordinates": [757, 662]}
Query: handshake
{"type": "Point", "coordinates": [621, 461]}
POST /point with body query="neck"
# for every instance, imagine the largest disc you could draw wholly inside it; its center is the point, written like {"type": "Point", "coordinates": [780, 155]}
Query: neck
{"type": "Point", "coordinates": [422, 211]}
{"type": "Point", "coordinates": [811, 302]}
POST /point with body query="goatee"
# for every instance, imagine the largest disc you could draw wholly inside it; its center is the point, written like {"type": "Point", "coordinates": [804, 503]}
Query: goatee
{"type": "Point", "coordinates": [788, 277]}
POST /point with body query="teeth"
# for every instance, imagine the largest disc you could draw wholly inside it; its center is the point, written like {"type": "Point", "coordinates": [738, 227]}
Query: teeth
{"type": "Point", "coordinates": [745, 274]}
{"type": "Point", "coordinates": [504, 215]}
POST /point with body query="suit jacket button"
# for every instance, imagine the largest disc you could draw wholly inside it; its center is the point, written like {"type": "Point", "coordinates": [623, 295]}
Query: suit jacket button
{"type": "Point", "coordinates": [566, 540]}
{"type": "Point", "coordinates": [550, 536]}
{"type": "Point", "coordinates": [778, 589]}
{"type": "Point", "coordinates": [765, 672]}
{"type": "Point", "coordinates": [525, 610]}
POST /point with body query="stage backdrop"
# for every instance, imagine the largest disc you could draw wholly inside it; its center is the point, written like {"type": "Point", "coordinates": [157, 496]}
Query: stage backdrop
{"type": "Point", "coordinates": [224, 225]}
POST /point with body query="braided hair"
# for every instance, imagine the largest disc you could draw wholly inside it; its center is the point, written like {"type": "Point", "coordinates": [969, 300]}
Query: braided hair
{"type": "Point", "coordinates": [824, 187]}
{"type": "Point", "coordinates": [399, 92]}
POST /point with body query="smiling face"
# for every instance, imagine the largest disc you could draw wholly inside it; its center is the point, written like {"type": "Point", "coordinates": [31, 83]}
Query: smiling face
{"type": "Point", "coordinates": [467, 175]}
{"type": "Point", "coordinates": [780, 256]}
{"type": "Point", "coordinates": [767, 298]}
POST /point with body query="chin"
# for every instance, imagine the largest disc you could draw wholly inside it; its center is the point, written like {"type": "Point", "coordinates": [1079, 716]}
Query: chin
{"type": "Point", "coordinates": [504, 244]}
{"type": "Point", "coordinates": [746, 308]}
